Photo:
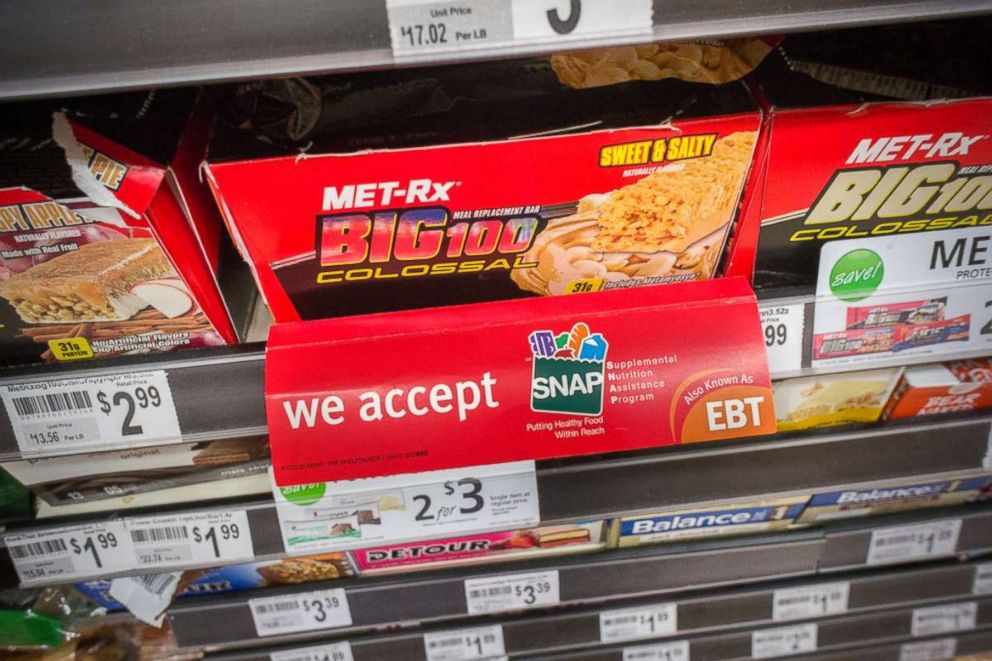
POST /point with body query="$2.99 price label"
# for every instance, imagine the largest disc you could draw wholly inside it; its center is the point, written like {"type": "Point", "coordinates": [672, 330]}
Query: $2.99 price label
{"type": "Point", "coordinates": [511, 592]}
{"type": "Point", "coordinates": [71, 552]}
{"type": "Point", "coordinates": [54, 416]}
{"type": "Point", "coordinates": [783, 327]}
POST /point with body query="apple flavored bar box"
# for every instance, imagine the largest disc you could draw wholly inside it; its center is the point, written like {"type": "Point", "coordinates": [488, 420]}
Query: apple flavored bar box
{"type": "Point", "coordinates": [109, 244]}
{"type": "Point", "coordinates": [479, 182]}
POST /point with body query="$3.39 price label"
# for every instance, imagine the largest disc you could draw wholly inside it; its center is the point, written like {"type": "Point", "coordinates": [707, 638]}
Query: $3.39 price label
{"type": "Point", "coordinates": [495, 594]}
{"type": "Point", "coordinates": [61, 415]}
{"type": "Point", "coordinates": [41, 557]}
{"type": "Point", "coordinates": [400, 508]}
{"type": "Point", "coordinates": [306, 611]}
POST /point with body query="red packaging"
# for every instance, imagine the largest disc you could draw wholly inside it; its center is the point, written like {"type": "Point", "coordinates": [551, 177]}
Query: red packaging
{"type": "Point", "coordinates": [892, 314]}
{"type": "Point", "coordinates": [110, 243]}
{"type": "Point", "coordinates": [853, 342]}
{"type": "Point", "coordinates": [495, 182]}
{"type": "Point", "coordinates": [467, 385]}
{"type": "Point", "coordinates": [953, 387]}
{"type": "Point", "coordinates": [910, 336]}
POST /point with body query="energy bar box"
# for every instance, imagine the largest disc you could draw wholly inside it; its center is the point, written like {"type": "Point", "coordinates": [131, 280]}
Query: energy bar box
{"type": "Point", "coordinates": [954, 387]}
{"type": "Point", "coordinates": [109, 243]}
{"type": "Point", "coordinates": [833, 399]}
{"type": "Point", "coordinates": [887, 497]}
{"type": "Point", "coordinates": [703, 521]}
{"type": "Point", "coordinates": [483, 548]}
{"type": "Point", "coordinates": [480, 182]}
{"type": "Point", "coordinates": [876, 194]}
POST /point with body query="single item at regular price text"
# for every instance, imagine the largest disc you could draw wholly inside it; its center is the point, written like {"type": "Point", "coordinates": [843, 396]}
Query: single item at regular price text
{"type": "Point", "coordinates": [467, 385]}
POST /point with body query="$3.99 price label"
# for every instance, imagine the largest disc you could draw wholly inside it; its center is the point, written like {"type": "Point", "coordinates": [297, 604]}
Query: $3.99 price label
{"type": "Point", "coordinates": [95, 412]}
{"type": "Point", "coordinates": [306, 611]}
{"type": "Point", "coordinates": [400, 508]}
{"type": "Point", "coordinates": [68, 553]}
{"type": "Point", "coordinates": [495, 594]}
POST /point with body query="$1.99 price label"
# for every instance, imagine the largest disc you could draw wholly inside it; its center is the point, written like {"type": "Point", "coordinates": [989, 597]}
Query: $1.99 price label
{"type": "Point", "coordinates": [511, 592]}
{"type": "Point", "coordinates": [205, 537]}
{"type": "Point", "coordinates": [462, 644]}
{"type": "Point", "coordinates": [69, 553]}
{"type": "Point", "coordinates": [54, 416]}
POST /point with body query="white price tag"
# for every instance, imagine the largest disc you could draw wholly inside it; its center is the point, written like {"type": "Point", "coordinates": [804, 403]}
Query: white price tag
{"type": "Point", "coordinates": [915, 542]}
{"type": "Point", "coordinates": [61, 415]}
{"type": "Point", "coordinates": [71, 553]}
{"type": "Point", "coordinates": [783, 327]}
{"type": "Point", "coordinates": [146, 597]}
{"type": "Point", "coordinates": [810, 601]}
{"type": "Point", "coordinates": [783, 641]}
{"type": "Point", "coordinates": [477, 643]}
{"type": "Point", "coordinates": [983, 579]}
{"type": "Point", "coordinates": [428, 26]}
{"type": "Point", "coordinates": [943, 619]}
{"type": "Point", "coordinates": [929, 650]}
{"type": "Point", "coordinates": [625, 624]}
{"type": "Point", "coordinates": [676, 651]}
{"type": "Point", "coordinates": [332, 652]}
{"type": "Point", "coordinates": [338, 516]}
{"type": "Point", "coordinates": [509, 592]}
{"type": "Point", "coordinates": [306, 611]}
{"type": "Point", "coordinates": [181, 539]}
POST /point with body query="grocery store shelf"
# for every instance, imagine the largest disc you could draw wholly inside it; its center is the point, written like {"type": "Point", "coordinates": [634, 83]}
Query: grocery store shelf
{"type": "Point", "coordinates": [591, 488]}
{"type": "Point", "coordinates": [706, 613]}
{"type": "Point", "coordinates": [97, 46]}
{"type": "Point", "coordinates": [226, 621]}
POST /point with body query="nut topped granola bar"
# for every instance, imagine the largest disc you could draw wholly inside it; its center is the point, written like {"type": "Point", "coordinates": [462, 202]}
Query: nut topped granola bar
{"type": "Point", "coordinates": [92, 283]}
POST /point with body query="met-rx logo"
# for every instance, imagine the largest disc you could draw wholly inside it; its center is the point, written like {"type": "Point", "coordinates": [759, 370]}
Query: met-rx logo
{"type": "Point", "coordinates": [568, 371]}
{"type": "Point", "coordinates": [386, 193]}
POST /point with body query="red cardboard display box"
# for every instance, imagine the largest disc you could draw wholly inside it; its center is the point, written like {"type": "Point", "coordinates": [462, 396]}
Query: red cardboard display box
{"type": "Point", "coordinates": [477, 384]}
{"type": "Point", "coordinates": [479, 182]}
{"type": "Point", "coordinates": [109, 241]}
{"type": "Point", "coordinates": [952, 387]}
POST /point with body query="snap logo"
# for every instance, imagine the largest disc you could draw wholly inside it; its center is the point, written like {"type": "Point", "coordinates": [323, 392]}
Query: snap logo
{"type": "Point", "coordinates": [568, 372]}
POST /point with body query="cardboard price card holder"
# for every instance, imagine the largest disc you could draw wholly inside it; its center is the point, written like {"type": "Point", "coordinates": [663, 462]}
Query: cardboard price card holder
{"type": "Point", "coordinates": [530, 379]}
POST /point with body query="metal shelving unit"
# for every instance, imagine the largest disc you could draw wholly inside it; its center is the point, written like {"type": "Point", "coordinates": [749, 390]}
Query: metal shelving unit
{"type": "Point", "coordinates": [226, 621]}
{"type": "Point", "coordinates": [697, 617]}
{"type": "Point", "coordinates": [593, 488]}
{"type": "Point", "coordinates": [97, 46]}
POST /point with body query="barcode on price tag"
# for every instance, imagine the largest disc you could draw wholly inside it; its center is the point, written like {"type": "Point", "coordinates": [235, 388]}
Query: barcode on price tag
{"type": "Point", "coordinates": [62, 415]}
{"type": "Point", "coordinates": [512, 591]}
{"type": "Point", "coordinates": [810, 601]}
{"type": "Point", "coordinates": [633, 623]}
{"type": "Point", "coordinates": [477, 643]}
{"type": "Point", "coordinates": [783, 327]}
{"type": "Point", "coordinates": [983, 579]}
{"type": "Point", "coordinates": [200, 538]}
{"type": "Point", "coordinates": [332, 652]}
{"type": "Point", "coordinates": [929, 650]}
{"type": "Point", "coordinates": [675, 651]}
{"type": "Point", "coordinates": [429, 26]}
{"type": "Point", "coordinates": [783, 641]}
{"type": "Point", "coordinates": [70, 553]}
{"type": "Point", "coordinates": [307, 611]}
{"type": "Point", "coordinates": [915, 542]}
{"type": "Point", "coordinates": [943, 619]}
